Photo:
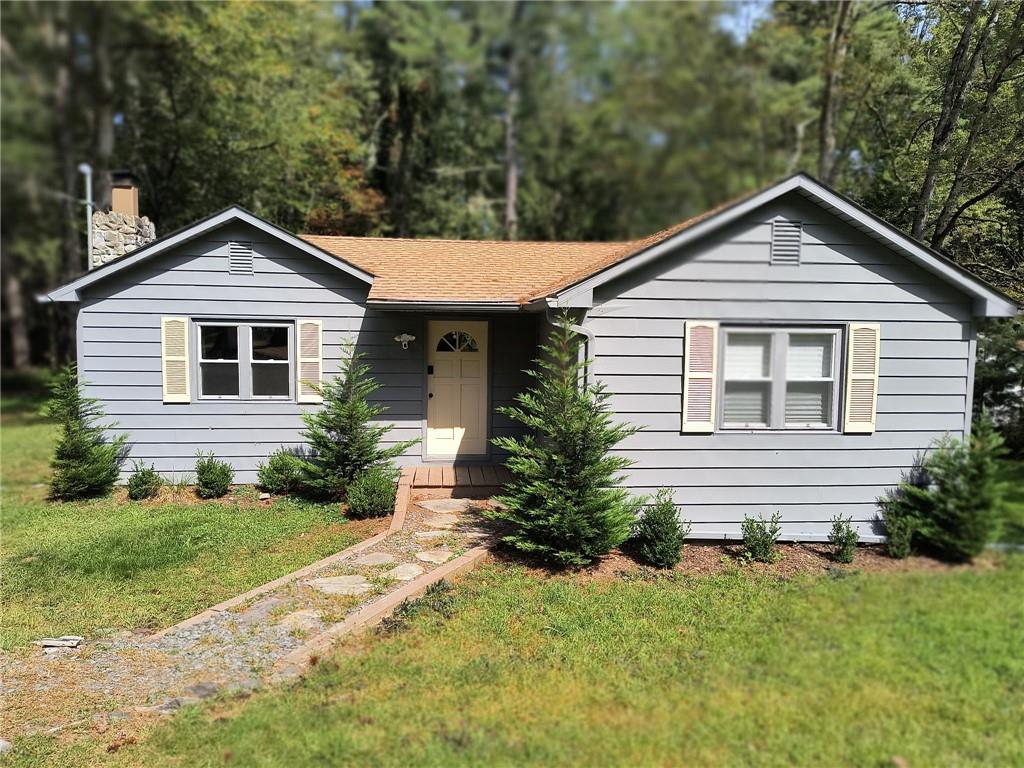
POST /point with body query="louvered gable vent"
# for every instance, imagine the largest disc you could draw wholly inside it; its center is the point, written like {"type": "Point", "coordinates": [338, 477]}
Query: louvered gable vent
{"type": "Point", "coordinates": [786, 237]}
{"type": "Point", "coordinates": [239, 258]}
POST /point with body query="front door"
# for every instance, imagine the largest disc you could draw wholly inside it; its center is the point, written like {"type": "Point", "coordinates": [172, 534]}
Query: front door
{"type": "Point", "coordinates": [457, 388]}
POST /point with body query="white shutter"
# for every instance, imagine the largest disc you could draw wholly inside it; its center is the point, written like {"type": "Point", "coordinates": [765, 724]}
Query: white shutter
{"type": "Point", "coordinates": [862, 345]}
{"type": "Point", "coordinates": [310, 360]}
{"type": "Point", "coordinates": [174, 359]}
{"type": "Point", "coordinates": [699, 366]}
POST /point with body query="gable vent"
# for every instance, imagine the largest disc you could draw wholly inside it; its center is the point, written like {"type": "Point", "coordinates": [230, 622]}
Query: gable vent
{"type": "Point", "coordinates": [239, 258]}
{"type": "Point", "coordinates": [786, 237]}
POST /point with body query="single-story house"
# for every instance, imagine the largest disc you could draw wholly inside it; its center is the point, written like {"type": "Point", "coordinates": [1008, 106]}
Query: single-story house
{"type": "Point", "coordinates": [788, 352]}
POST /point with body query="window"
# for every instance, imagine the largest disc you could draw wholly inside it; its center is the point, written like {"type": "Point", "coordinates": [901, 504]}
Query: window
{"type": "Point", "coordinates": [779, 378]}
{"type": "Point", "coordinates": [247, 361]}
{"type": "Point", "coordinates": [457, 341]}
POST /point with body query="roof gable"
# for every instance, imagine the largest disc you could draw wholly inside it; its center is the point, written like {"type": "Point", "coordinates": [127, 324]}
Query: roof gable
{"type": "Point", "coordinates": [577, 290]}
{"type": "Point", "coordinates": [70, 291]}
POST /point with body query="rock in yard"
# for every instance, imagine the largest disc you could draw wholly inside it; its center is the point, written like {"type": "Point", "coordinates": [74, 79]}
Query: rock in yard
{"type": "Point", "coordinates": [64, 641]}
{"type": "Point", "coordinates": [436, 556]}
{"type": "Point", "coordinates": [307, 618]}
{"type": "Point", "coordinates": [441, 521]}
{"type": "Point", "coordinates": [203, 690]}
{"type": "Point", "coordinates": [374, 558]}
{"type": "Point", "coordinates": [5, 746]}
{"type": "Point", "coordinates": [446, 505]}
{"type": "Point", "coordinates": [264, 497]}
{"type": "Point", "coordinates": [342, 585]}
{"type": "Point", "coordinates": [405, 572]}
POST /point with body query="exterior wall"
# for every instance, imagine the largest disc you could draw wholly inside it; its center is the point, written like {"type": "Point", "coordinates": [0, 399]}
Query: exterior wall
{"type": "Point", "coordinates": [119, 350]}
{"type": "Point", "coordinates": [926, 372]}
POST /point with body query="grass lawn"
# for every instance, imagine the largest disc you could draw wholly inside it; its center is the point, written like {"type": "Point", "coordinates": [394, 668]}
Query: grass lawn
{"type": "Point", "coordinates": [737, 669]}
{"type": "Point", "coordinates": [85, 567]}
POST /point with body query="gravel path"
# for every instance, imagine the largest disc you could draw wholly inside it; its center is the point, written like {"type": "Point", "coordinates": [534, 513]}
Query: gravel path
{"type": "Point", "coordinates": [122, 675]}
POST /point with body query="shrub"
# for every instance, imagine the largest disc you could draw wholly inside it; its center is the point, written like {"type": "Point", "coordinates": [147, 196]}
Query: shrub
{"type": "Point", "coordinates": [144, 483]}
{"type": "Point", "coordinates": [86, 463]}
{"type": "Point", "coordinates": [843, 539]}
{"type": "Point", "coordinates": [343, 442]}
{"type": "Point", "coordinates": [952, 501]}
{"type": "Point", "coordinates": [213, 477]}
{"type": "Point", "coordinates": [659, 532]}
{"type": "Point", "coordinates": [372, 494]}
{"type": "Point", "coordinates": [565, 502]}
{"type": "Point", "coordinates": [759, 537]}
{"type": "Point", "coordinates": [282, 473]}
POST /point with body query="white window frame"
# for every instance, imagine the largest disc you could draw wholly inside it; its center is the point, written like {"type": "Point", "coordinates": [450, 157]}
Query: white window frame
{"type": "Point", "coordinates": [778, 379]}
{"type": "Point", "coordinates": [244, 361]}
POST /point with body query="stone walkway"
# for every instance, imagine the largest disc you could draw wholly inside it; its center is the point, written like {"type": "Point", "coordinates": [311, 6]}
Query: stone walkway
{"type": "Point", "coordinates": [124, 674]}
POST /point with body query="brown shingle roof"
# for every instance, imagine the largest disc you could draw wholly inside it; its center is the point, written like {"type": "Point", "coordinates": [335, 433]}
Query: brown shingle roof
{"type": "Point", "coordinates": [408, 269]}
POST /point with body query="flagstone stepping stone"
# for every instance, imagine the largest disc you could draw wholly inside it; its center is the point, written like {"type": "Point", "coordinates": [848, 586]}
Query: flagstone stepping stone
{"type": "Point", "coordinates": [375, 558]}
{"type": "Point", "coordinates": [441, 521]}
{"type": "Point", "coordinates": [446, 505]}
{"type": "Point", "coordinates": [431, 534]}
{"type": "Point", "coordinates": [341, 585]}
{"type": "Point", "coordinates": [307, 618]}
{"type": "Point", "coordinates": [436, 556]}
{"type": "Point", "coordinates": [405, 572]}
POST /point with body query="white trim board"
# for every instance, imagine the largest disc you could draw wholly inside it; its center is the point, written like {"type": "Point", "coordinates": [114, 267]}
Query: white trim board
{"type": "Point", "coordinates": [70, 291]}
{"type": "Point", "coordinates": [988, 302]}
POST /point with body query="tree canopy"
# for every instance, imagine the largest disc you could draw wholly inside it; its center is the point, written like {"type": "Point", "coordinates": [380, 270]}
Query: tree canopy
{"type": "Point", "coordinates": [519, 120]}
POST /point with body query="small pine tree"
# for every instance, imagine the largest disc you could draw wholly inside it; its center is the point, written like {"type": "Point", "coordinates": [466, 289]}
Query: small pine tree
{"type": "Point", "coordinates": [964, 501]}
{"type": "Point", "coordinates": [85, 463]}
{"type": "Point", "coordinates": [342, 440]}
{"type": "Point", "coordinates": [564, 503]}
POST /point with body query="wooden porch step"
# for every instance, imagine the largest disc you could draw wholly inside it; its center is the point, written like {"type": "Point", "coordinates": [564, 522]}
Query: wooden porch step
{"type": "Point", "coordinates": [459, 475]}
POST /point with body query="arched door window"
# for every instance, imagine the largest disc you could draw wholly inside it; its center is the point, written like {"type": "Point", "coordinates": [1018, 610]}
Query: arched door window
{"type": "Point", "coordinates": [457, 341]}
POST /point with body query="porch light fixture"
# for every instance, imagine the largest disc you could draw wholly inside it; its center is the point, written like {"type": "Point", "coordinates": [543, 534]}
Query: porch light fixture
{"type": "Point", "coordinates": [404, 339]}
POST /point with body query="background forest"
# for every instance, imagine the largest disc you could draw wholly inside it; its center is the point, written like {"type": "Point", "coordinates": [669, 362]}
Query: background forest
{"type": "Point", "coordinates": [518, 120]}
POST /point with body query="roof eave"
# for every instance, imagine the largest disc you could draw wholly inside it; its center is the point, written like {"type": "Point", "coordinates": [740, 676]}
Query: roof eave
{"type": "Point", "coordinates": [427, 305]}
{"type": "Point", "coordinates": [72, 291]}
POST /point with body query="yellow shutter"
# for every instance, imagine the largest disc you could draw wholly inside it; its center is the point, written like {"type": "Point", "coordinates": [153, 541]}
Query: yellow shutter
{"type": "Point", "coordinates": [699, 368]}
{"type": "Point", "coordinates": [174, 359]}
{"type": "Point", "coordinates": [310, 360]}
{"type": "Point", "coordinates": [862, 351]}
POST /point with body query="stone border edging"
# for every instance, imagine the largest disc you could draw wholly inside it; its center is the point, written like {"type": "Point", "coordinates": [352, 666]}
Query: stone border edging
{"type": "Point", "coordinates": [299, 660]}
{"type": "Point", "coordinates": [213, 610]}
{"type": "Point", "coordinates": [402, 496]}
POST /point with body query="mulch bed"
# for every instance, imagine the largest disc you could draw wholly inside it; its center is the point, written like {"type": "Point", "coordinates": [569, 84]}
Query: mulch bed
{"type": "Point", "coordinates": [711, 558]}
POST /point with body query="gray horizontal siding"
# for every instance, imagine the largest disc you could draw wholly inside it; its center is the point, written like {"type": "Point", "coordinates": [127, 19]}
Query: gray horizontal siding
{"type": "Point", "coordinates": [119, 352]}
{"type": "Point", "coordinates": [808, 477]}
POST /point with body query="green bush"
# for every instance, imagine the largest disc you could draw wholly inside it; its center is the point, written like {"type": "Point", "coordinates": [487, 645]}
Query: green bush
{"type": "Point", "coordinates": [900, 508]}
{"type": "Point", "coordinates": [213, 477]}
{"type": "Point", "coordinates": [843, 539]}
{"type": "Point", "coordinates": [759, 537]}
{"type": "Point", "coordinates": [565, 502]}
{"type": "Point", "coordinates": [659, 533]}
{"type": "Point", "coordinates": [372, 494]}
{"type": "Point", "coordinates": [86, 463]}
{"type": "Point", "coordinates": [144, 483]}
{"type": "Point", "coordinates": [343, 440]}
{"type": "Point", "coordinates": [282, 473]}
{"type": "Point", "coordinates": [953, 501]}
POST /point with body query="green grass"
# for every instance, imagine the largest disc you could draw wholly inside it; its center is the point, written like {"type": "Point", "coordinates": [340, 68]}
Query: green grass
{"type": "Point", "coordinates": [78, 568]}
{"type": "Point", "coordinates": [1013, 528]}
{"type": "Point", "coordinates": [737, 669]}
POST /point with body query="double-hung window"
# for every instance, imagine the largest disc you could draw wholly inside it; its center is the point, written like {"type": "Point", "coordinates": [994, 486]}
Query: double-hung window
{"type": "Point", "coordinates": [245, 361]}
{"type": "Point", "coordinates": [779, 378]}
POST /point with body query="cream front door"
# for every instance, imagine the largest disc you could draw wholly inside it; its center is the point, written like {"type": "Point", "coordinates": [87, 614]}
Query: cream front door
{"type": "Point", "coordinates": [457, 388]}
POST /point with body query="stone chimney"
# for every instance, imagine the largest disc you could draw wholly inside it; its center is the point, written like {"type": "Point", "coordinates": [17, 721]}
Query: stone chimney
{"type": "Point", "coordinates": [121, 230]}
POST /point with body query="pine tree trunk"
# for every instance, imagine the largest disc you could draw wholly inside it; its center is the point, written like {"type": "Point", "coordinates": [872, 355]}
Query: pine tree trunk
{"type": "Point", "coordinates": [15, 320]}
{"type": "Point", "coordinates": [103, 105]}
{"type": "Point", "coordinates": [835, 56]}
{"type": "Point", "coordinates": [511, 139]}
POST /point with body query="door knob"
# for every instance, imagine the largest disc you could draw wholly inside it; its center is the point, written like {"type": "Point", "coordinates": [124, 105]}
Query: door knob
{"type": "Point", "coordinates": [430, 395]}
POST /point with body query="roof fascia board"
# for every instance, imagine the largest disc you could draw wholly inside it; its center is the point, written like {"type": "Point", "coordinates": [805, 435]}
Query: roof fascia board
{"type": "Point", "coordinates": [444, 306]}
{"type": "Point", "coordinates": [988, 302]}
{"type": "Point", "coordinates": [70, 291]}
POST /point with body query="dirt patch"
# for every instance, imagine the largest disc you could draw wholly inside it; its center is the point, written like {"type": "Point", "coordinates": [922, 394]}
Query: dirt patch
{"type": "Point", "coordinates": [711, 558]}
